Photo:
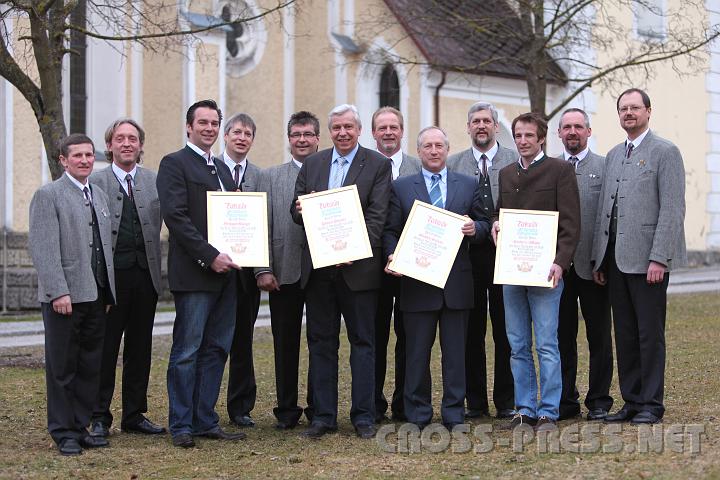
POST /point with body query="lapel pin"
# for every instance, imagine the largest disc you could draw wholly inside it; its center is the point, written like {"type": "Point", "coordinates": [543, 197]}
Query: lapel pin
{"type": "Point", "coordinates": [641, 163]}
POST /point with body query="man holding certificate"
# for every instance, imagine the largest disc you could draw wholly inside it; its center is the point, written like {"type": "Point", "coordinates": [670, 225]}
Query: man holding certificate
{"type": "Point", "coordinates": [424, 305]}
{"type": "Point", "coordinates": [538, 182]}
{"type": "Point", "coordinates": [349, 289]}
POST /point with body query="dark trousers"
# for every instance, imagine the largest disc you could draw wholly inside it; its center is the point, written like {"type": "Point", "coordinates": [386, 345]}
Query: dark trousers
{"type": "Point", "coordinates": [328, 297]}
{"type": "Point", "coordinates": [242, 389]}
{"type": "Point", "coordinates": [73, 353]}
{"type": "Point", "coordinates": [387, 309]}
{"type": "Point", "coordinates": [286, 312]}
{"type": "Point", "coordinates": [483, 262]}
{"type": "Point", "coordinates": [133, 315]}
{"type": "Point", "coordinates": [595, 307]}
{"type": "Point", "coordinates": [420, 337]}
{"type": "Point", "coordinates": [639, 318]}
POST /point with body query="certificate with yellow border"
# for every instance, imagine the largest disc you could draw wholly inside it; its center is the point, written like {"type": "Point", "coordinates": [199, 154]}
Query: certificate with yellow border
{"type": "Point", "coordinates": [335, 226]}
{"type": "Point", "coordinates": [525, 247]}
{"type": "Point", "coordinates": [428, 244]}
{"type": "Point", "coordinates": [238, 226]}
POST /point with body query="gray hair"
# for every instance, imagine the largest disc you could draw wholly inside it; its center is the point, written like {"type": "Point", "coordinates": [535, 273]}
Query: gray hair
{"type": "Point", "coordinates": [241, 118]}
{"type": "Point", "coordinates": [427, 129]}
{"type": "Point", "coordinates": [578, 110]}
{"type": "Point", "coordinates": [479, 106]}
{"type": "Point", "coordinates": [343, 109]}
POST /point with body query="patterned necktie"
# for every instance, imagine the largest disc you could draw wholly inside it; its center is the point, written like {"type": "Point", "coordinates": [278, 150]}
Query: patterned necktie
{"type": "Point", "coordinates": [86, 191]}
{"type": "Point", "coordinates": [131, 194]}
{"type": "Point", "coordinates": [337, 179]}
{"type": "Point", "coordinates": [629, 149]}
{"type": "Point", "coordinates": [435, 193]}
{"type": "Point", "coordinates": [484, 159]}
{"type": "Point", "coordinates": [236, 176]}
{"type": "Point", "coordinates": [574, 161]}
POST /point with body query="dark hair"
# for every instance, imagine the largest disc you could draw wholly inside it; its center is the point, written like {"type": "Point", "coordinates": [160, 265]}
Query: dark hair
{"type": "Point", "coordinates": [190, 116]}
{"type": "Point", "coordinates": [241, 118]}
{"type": "Point", "coordinates": [111, 131]}
{"type": "Point", "coordinates": [387, 110]}
{"type": "Point", "coordinates": [74, 139]}
{"type": "Point", "coordinates": [534, 118]}
{"type": "Point", "coordinates": [645, 97]}
{"type": "Point", "coordinates": [304, 118]}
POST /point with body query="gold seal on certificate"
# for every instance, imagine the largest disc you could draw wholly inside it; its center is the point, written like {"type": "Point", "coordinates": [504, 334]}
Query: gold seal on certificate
{"type": "Point", "coordinates": [525, 247]}
{"type": "Point", "coordinates": [335, 226]}
{"type": "Point", "coordinates": [237, 225]}
{"type": "Point", "coordinates": [428, 244]}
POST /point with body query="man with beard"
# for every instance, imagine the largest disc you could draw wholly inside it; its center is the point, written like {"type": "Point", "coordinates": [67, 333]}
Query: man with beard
{"type": "Point", "coordinates": [484, 160]}
{"type": "Point", "coordinates": [387, 129]}
{"type": "Point", "coordinates": [574, 131]}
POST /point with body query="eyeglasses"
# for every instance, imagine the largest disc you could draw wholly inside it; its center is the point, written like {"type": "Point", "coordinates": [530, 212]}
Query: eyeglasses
{"type": "Point", "coordinates": [630, 108]}
{"type": "Point", "coordinates": [299, 135]}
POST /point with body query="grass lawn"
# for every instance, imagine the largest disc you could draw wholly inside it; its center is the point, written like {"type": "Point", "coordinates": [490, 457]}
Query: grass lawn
{"type": "Point", "coordinates": [692, 397]}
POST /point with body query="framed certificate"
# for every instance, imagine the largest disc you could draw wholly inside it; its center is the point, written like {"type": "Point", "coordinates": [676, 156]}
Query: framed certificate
{"type": "Point", "coordinates": [238, 226]}
{"type": "Point", "coordinates": [525, 247]}
{"type": "Point", "coordinates": [335, 226]}
{"type": "Point", "coordinates": [428, 244]}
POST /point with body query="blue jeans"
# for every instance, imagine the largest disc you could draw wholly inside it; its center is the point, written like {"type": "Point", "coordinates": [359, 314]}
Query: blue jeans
{"type": "Point", "coordinates": [528, 309]}
{"type": "Point", "coordinates": [202, 336]}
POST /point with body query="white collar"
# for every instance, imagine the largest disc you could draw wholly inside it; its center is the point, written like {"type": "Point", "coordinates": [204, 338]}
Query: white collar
{"type": "Point", "coordinates": [490, 154]}
{"type": "Point", "coordinates": [121, 174]}
{"type": "Point", "coordinates": [77, 183]}
{"type": "Point", "coordinates": [580, 156]}
{"type": "Point", "coordinates": [200, 152]}
{"type": "Point", "coordinates": [638, 140]}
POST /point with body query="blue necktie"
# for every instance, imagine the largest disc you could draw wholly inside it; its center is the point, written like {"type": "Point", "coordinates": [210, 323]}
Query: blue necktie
{"type": "Point", "coordinates": [435, 193]}
{"type": "Point", "coordinates": [337, 179]}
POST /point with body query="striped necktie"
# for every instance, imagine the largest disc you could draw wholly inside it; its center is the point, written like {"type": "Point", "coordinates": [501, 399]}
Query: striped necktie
{"type": "Point", "coordinates": [435, 193]}
{"type": "Point", "coordinates": [337, 179]}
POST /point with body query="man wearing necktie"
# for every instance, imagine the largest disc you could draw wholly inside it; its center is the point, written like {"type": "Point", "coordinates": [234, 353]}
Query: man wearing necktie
{"type": "Point", "coordinates": [136, 222]}
{"type": "Point", "coordinates": [425, 306]}
{"type": "Point", "coordinates": [639, 238]}
{"type": "Point", "coordinates": [387, 130]}
{"type": "Point", "coordinates": [71, 249]}
{"type": "Point", "coordinates": [241, 392]}
{"type": "Point", "coordinates": [202, 279]}
{"type": "Point", "coordinates": [349, 289]}
{"type": "Point", "coordinates": [574, 131]}
{"type": "Point", "coordinates": [484, 160]}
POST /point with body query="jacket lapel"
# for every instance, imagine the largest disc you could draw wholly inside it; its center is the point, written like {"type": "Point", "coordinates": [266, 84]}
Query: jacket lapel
{"type": "Point", "coordinates": [355, 167]}
{"type": "Point", "coordinates": [450, 190]}
{"type": "Point", "coordinates": [421, 188]}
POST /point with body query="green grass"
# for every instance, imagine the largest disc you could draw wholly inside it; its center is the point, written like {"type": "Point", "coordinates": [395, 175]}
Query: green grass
{"type": "Point", "coordinates": [692, 397]}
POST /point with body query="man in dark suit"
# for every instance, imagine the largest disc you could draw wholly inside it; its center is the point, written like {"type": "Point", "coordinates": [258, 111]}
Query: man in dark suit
{"type": "Point", "coordinates": [423, 305]}
{"type": "Point", "coordinates": [538, 182]}
{"type": "Point", "coordinates": [349, 289]}
{"type": "Point", "coordinates": [202, 279]}
{"type": "Point", "coordinates": [574, 131]}
{"type": "Point", "coordinates": [484, 160]}
{"type": "Point", "coordinates": [136, 222]}
{"type": "Point", "coordinates": [242, 389]}
{"type": "Point", "coordinates": [387, 129]}
{"type": "Point", "coordinates": [282, 279]}
{"type": "Point", "coordinates": [639, 238]}
{"type": "Point", "coordinates": [71, 249]}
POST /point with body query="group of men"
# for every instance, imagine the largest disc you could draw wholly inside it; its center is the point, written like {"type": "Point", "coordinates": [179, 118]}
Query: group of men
{"type": "Point", "coordinates": [620, 231]}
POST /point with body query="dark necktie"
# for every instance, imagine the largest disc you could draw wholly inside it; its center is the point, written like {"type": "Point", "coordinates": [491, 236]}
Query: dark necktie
{"type": "Point", "coordinates": [629, 147]}
{"type": "Point", "coordinates": [86, 191]}
{"type": "Point", "coordinates": [574, 161]}
{"type": "Point", "coordinates": [128, 179]}
{"type": "Point", "coordinates": [484, 159]}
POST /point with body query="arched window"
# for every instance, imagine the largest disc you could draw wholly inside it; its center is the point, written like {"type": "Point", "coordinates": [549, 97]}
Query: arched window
{"type": "Point", "coordinates": [389, 87]}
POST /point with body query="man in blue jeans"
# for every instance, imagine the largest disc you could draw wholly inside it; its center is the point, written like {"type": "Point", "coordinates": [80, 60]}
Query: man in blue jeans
{"type": "Point", "coordinates": [538, 182]}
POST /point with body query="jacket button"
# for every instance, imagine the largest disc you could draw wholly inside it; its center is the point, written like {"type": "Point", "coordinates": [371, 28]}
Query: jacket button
{"type": "Point", "coordinates": [606, 232]}
{"type": "Point", "coordinates": [608, 215]}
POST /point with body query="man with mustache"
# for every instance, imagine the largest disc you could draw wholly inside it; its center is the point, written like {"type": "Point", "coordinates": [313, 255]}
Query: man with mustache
{"type": "Point", "coordinates": [484, 160]}
{"type": "Point", "coordinates": [639, 238]}
{"type": "Point", "coordinates": [387, 129]}
{"type": "Point", "coordinates": [239, 137]}
{"type": "Point", "coordinates": [574, 131]}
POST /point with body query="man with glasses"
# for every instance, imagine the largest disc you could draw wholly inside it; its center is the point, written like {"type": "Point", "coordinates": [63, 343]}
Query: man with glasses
{"type": "Point", "coordinates": [639, 238]}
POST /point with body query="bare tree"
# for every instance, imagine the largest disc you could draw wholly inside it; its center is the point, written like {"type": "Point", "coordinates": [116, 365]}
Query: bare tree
{"type": "Point", "coordinates": [573, 43]}
{"type": "Point", "coordinates": [33, 60]}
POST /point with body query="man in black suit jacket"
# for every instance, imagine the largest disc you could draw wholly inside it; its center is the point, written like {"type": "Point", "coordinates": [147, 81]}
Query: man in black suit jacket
{"type": "Point", "coordinates": [202, 279]}
{"type": "Point", "coordinates": [348, 289]}
{"type": "Point", "coordinates": [424, 305]}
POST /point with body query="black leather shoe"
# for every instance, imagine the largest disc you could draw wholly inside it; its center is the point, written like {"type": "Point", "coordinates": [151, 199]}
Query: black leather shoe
{"type": "Point", "coordinates": [220, 434]}
{"type": "Point", "coordinates": [94, 442]}
{"type": "Point", "coordinates": [380, 419]}
{"type": "Point", "coordinates": [505, 413]}
{"type": "Point", "coordinates": [645, 418]}
{"type": "Point", "coordinates": [365, 431]}
{"type": "Point", "coordinates": [144, 426]}
{"type": "Point", "coordinates": [597, 414]}
{"type": "Point", "coordinates": [568, 413]}
{"type": "Point", "coordinates": [69, 446]}
{"type": "Point", "coordinates": [243, 421]}
{"type": "Point", "coordinates": [99, 429]}
{"type": "Point", "coordinates": [183, 440]}
{"type": "Point", "coordinates": [622, 415]}
{"type": "Point", "coordinates": [476, 413]}
{"type": "Point", "coordinates": [285, 426]}
{"type": "Point", "coordinates": [317, 430]}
